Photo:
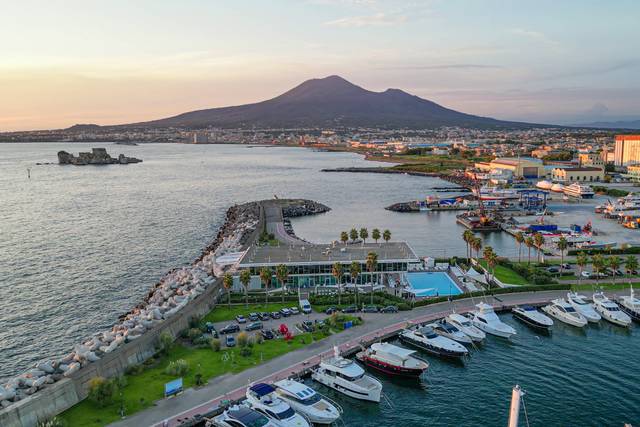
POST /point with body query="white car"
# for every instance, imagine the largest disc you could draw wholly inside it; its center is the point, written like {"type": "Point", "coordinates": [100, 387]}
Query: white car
{"type": "Point", "coordinates": [586, 274]}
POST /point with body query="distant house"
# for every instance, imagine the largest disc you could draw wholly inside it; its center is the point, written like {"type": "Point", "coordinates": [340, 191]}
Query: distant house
{"type": "Point", "coordinates": [582, 173]}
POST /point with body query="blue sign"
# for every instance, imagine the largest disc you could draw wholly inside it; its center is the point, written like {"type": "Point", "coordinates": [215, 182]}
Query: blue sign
{"type": "Point", "coordinates": [173, 387]}
{"type": "Point", "coordinates": [348, 324]}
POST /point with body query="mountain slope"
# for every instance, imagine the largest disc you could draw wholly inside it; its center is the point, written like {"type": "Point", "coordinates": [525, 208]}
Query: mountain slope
{"type": "Point", "coordinates": [333, 102]}
{"type": "Point", "coordinates": [622, 124]}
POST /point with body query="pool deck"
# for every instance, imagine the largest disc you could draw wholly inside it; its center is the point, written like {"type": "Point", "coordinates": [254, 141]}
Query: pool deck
{"type": "Point", "coordinates": [376, 327]}
{"type": "Point", "coordinates": [439, 291]}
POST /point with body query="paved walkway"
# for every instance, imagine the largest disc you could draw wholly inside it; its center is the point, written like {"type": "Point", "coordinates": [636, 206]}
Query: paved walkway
{"type": "Point", "coordinates": [233, 386]}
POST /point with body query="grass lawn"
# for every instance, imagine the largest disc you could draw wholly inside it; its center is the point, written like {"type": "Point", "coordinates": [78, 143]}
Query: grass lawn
{"type": "Point", "coordinates": [507, 275]}
{"type": "Point", "coordinates": [144, 388]}
{"type": "Point", "coordinates": [224, 312]}
{"type": "Point", "coordinates": [606, 286]}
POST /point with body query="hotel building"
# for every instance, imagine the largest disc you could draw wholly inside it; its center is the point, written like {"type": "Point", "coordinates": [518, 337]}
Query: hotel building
{"type": "Point", "coordinates": [627, 150]}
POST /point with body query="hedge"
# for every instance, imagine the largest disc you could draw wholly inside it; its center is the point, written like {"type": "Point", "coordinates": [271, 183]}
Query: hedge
{"type": "Point", "coordinates": [632, 250]}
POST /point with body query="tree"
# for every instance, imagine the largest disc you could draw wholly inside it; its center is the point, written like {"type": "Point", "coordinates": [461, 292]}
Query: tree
{"type": "Point", "coordinates": [336, 271]}
{"type": "Point", "coordinates": [386, 235]}
{"type": "Point", "coordinates": [165, 341]}
{"type": "Point", "coordinates": [354, 271]}
{"type": "Point", "coordinates": [375, 235]}
{"type": "Point", "coordinates": [344, 237]}
{"type": "Point", "coordinates": [631, 264]}
{"type": "Point", "coordinates": [265, 277]}
{"type": "Point", "coordinates": [490, 258]}
{"type": "Point", "coordinates": [282, 274]}
{"type": "Point", "coordinates": [562, 245]}
{"type": "Point", "coordinates": [372, 263]}
{"type": "Point", "coordinates": [364, 233]}
{"type": "Point", "coordinates": [353, 234]}
{"type": "Point", "coordinates": [582, 261]}
{"type": "Point", "coordinates": [520, 240]}
{"type": "Point", "coordinates": [227, 282]}
{"type": "Point", "coordinates": [598, 262]}
{"type": "Point", "coordinates": [539, 241]}
{"type": "Point", "coordinates": [468, 236]}
{"type": "Point", "coordinates": [102, 391]}
{"type": "Point", "coordinates": [476, 245]}
{"type": "Point", "coordinates": [529, 243]}
{"type": "Point", "coordinates": [614, 264]}
{"type": "Point", "coordinates": [245, 279]}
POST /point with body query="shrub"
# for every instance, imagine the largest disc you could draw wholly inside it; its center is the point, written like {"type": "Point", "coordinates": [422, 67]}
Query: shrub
{"type": "Point", "coordinates": [102, 391]}
{"type": "Point", "coordinates": [194, 333]}
{"type": "Point", "coordinates": [258, 338]}
{"type": "Point", "coordinates": [242, 339]}
{"type": "Point", "coordinates": [214, 343]}
{"type": "Point", "coordinates": [176, 368]}
{"type": "Point", "coordinates": [245, 352]}
{"type": "Point", "coordinates": [51, 422]}
{"type": "Point", "coordinates": [404, 306]}
{"type": "Point", "coordinates": [134, 370]}
{"type": "Point", "coordinates": [195, 322]}
{"type": "Point", "coordinates": [165, 341]}
{"type": "Point", "coordinates": [201, 342]}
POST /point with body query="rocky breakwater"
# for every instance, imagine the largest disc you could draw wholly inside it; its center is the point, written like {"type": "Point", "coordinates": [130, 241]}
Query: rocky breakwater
{"type": "Point", "coordinates": [171, 294]}
{"type": "Point", "coordinates": [97, 156]}
{"type": "Point", "coordinates": [302, 207]}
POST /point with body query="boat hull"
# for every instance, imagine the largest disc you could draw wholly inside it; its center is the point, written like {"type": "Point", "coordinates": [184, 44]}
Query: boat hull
{"type": "Point", "coordinates": [438, 351]}
{"type": "Point", "coordinates": [631, 313]}
{"type": "Point", "coordinates": [370, 396]}
{"type": "Point", "coordinates": [531, 322]}
{"type": "Point", "coordinates": [568, 320]}
{"type": "Point", "coordinates": [493, 331]}
{"type": "Point", "coordinates": [389, 369]}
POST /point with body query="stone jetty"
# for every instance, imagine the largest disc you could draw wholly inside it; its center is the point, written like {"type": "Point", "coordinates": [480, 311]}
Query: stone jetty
{"type": "Point", "coordinates": [97, 156]}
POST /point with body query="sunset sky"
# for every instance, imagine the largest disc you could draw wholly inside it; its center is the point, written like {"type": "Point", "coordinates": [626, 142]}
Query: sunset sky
{"type": "Point", "coordinates": [108, 62]}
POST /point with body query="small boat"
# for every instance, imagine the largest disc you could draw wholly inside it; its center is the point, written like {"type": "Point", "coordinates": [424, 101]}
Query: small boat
{"type": "Point", "coordinates": [609, 310]}
{"type": "Point", "coordinates": [447, 330]}
{"type": "Point", "coordinates": [465, 325]}
{"type": "Point", "coordinates": [564, 312]}
{"type": "Point", "coordinates": [348, 378]}
{"type": "Point", "coordinates": [392, 360]}
{"type": "Point", "coordinates": [262, 398]}
{"type": "Point", "coordinates": [427, 340]}
{"type": "Point", "coordinates": [558, 188]}
{"type": "Point", "coordinates": [579, 190]}
{"type": "Point", "coordinates": [544, 185]}
{"type": "Point", "coordinates": [630, 305]}
{"type": "Point", "coordinates": [241, 416]}
{"type": "Point", "coordinates": [532, 317]}
{"type": "Point", "coordinates": [485, 318]}
{"type": "Point", "coordinates": [582, 306]}
{"type": "Point", "coordinates": [304, 400]}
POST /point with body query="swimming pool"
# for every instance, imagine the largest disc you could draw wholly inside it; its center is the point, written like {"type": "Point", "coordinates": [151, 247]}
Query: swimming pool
{"type": "Point", "coordinates": [430, 284]}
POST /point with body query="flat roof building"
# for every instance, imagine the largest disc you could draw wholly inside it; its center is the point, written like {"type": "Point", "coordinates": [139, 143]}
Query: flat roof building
{"type": "Point", "coordinates": [575, 174]}
{"type": "Point", "coordinates": [627, 150]}
{"type": "Point", "coordinates": [519, 167]}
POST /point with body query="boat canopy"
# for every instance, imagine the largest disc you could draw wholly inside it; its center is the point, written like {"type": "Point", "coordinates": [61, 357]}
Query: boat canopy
{"type": "Point", "coordinates": [262, 389]}
{"type": "Point", "coordinates": [402, 353]}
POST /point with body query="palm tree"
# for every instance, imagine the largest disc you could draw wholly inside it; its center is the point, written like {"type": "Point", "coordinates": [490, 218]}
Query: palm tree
{"type": "Point", "coordinates": [614, 264]}
{"type": "Point", "coordinates": [582, 261]}
{"type": "Point", "coordinates": [245, 278]}
{"type": "Point", "coordinates": [375, 235]}
{"type": "Point", "coordinates": [562, 246]}
{"type": "Point", "coordinates": [336, 271]}
{"type": "Point", "coordinates": [282, 274]}
{"type": "Point", "coordinates": [364, 233]}
{"type": "Point", "coordinates": [227, 282]}
{"type": "Point", "coordinates": [539, 241]}
{"type": "Point", "coordinates": [490, 258]}
{"type": "Point", "coordinates": [529, 243]}
{"type": "Point", "coordinates": [354, 271]}
{"type": "Point", "coordinates": [631, 264]}
{"type": "Point", "coordinates": [265, 277]}
{"type": "Point", "coordinates": [476, 245]}
{"type": "Point", "coordinates": [372, 262]}
{"type": "Point", "coordinates": [520, 240]}
{"type": "Point", "coordinates": [353, 234]}
{"type": "Point", "coordinates": [598, 262]}
{"type": "Point", "coordinates": [344, 237]}
{"type": "Point", "coordinates": [468, 236]}
{"type": "Point", "coordinates": [386, 235]}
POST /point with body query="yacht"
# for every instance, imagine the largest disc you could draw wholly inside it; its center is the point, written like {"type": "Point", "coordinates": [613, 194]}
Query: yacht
{"type": "Point", "coordinates": [304, 400]}
{"type": "Point", "coordinates": [582, 306]}
{"type": "Point", "coordinates": [558, 188]}
{"type": "Point", "coordinates": [485, 318]}
{"type": "Point", "coordinates": [579, 190]}
{"type": "Point", "coordinates": [427, 340]}
{"type": "Point", "coordinates": [465, 325]}
{"type": "Point", "coordinates": [630, 305]}
{"type": "Point", "coordinates": [348, 378]}
{"type": "Point", "coordinates": [447, 330]}
{"type": "Point", "coordinates": [392, 360]}
{"type": "Point", "coordinates": [564, 312]}
{"type": "Point", "coordinates": [495, 193]}
{"type": "Point", "coordinates": [609, 310]}
{"type": "Point", "coordinates": [241, 416]}
{"type": "Point", "coordinates": [263, 398]}
{"type": "Point", "coordinates": [532, 317]}
{"type": "Point", "coordinates": [544, 185]}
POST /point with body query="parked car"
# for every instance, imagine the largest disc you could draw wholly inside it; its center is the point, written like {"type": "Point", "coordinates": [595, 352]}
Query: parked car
{"type": "Point", "coordinates": [553, 270]}
{"type": "Point", "coordinates": [230, 341]}
{"type": "Point", "coordinates": [634, 272]}
{"type": "Point", "coordinates": [614, 272]}
{"type": "Point", "coordinates": [253, 326]}
{"type": "Point", "coordinates": [307, 326]}
{"type": "Point", "coordinates": [350, 309]}
{"type": "Point", "coordinates": [241, 319]}
{"type": "Point", "coordinates": [389, 309]}
{"type": "Point", "coordinates": [254, 317]}
{"type": "Point", "coordinates": [285, 312]}
{"type": "Point", "coordinates": [267, 334]}
{"type": "Point", "coordinates": [264, 316]}
{"type": "Point", "coordinates": [566, 266]}
{"type": "Point", "coordinates": [211, 329]}
{"type": "Point", "coordinates": [230, 329]}
{"type": "Point", "coordinates": [305, 306]}
{"type": "Point", "coordinates": [275, 315]}
{"type": "Point", "coordinates": [331, 310]}
{"type": "Point", "coordinates": [370, 309]}
{"type": "Point", "coordinates": [586, 274]}
{"type": "Point", "coordinates": [294, 310]}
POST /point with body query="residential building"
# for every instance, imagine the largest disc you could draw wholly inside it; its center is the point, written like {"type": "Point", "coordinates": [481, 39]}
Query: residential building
{"type": "Point", "coordinates": [627, 150]}
{"type": "Point", "coordinates": [581, 173]}
{"type": "Point", "coordinates": [519, 167]}
{"type": "Point", "coordinates": [591, 159]}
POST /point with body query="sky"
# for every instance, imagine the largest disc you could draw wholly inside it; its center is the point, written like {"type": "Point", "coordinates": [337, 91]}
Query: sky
{"type": "Point", "coordinates": [119, 61]}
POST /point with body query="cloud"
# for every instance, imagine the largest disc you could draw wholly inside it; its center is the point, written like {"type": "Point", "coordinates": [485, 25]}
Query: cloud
{"type": "Point", "coordinates": [447, 67]}
{"type": "Point", "coordinates": [533, 35]}
{"type": "Point", "coordinates": [378, 19]}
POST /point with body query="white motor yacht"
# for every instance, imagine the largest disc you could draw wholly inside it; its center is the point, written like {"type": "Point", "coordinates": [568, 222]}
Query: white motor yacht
{"type": "Point", "coordinates": [630, 305]}
{"type": "Point", "coordinates": [447, 330]}
{"type": "Point", "coordinates": [427, 340]}
{"type": "Point", "coordinates": [532, 317]}
{"type": "Point", "coordinates": [241, 416]}
{"type": "Point", "coordinates": [584, 307]}
{"type": "Point", "coordinates": [262, 397]}
{"type": "Point", "coordinates": [317, 408]}
{"type": "Point", "coordinates": [609, 310]}
{"type": "Point", "coordinates": [465, 325]}
{"type": "Point", "coordinates": [564, 312]}
{"type": "Point", "coordinates": [487, 320]}
{"type": "Point", "coordinates": [347, 377]}
{"type": "Point", "coordinates": [579, 190]}
{"type": "Point", "coordinates": [392, 360]}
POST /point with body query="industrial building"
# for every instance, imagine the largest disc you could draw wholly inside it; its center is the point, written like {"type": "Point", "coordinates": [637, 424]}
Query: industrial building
{"type": "Point", "coordinates": [525, 167]}
{"type": "Point", "coordinates": [627, 150]}
{"type": "Point", "coordinates": [575, 174]}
